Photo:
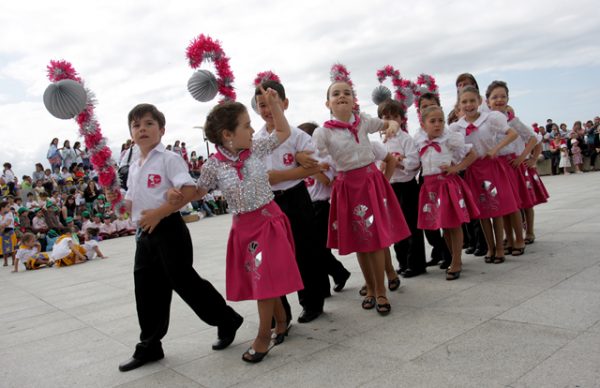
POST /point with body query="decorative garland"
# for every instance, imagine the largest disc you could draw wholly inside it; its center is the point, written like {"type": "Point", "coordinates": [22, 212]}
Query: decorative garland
{"type": "Point", "coordinates": [266, 76]}
{"type": "Point", "coordinates": [204, 48]}
{"type": "Point", "coordinates": [89, 128]}
{"type": "Point", "coordinates": [389, 71]}
{"type": "Point", "coordinates": [426, 83]}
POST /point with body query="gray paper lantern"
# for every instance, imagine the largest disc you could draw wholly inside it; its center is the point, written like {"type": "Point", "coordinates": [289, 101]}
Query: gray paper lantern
{"type": "Point", "coordinates": [65, 99]}
{"type": "Point", "coordinates": [410, 96]}
{"type": "Point", "coordinates": [203, 85]}
{"type": "Point", "coordinates": [380, 94]}
{"type": "Point", "coordinates": [253, 105]}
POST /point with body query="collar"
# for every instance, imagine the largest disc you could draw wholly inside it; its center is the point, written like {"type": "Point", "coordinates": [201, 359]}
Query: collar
{"type": "Point", "coordinates": [480, 120]}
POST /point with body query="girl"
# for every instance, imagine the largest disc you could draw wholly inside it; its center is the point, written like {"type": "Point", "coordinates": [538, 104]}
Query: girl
{"type": "Point", "coordinates": [67, 154]}
{"type": "Point", "coordinates": [565, 161]}
{"type": "Point", "coordinates": [29, 255]}
{"type": "Point", "coordinates": [487, 177]}
{"type": "Point", "coordinates": [513, 157]}
{"type": "Point", "coordinates": [53, 155]}
{"type": "Point", "coordinates": [554, 147]}
{"type": "Point", "coordinates": [365, 216]}
{"type": "Point", "coordinates": [7, 232]}
{"type": "Point", "coordinates": [577, 158]}
{"type": "Point", "coordinates": [260, 251]}
{"type": "Point", "coordinates": [445, 201]}
{"type": "Point", "coordinates": [539, 190]}
{"type": "Point", "coordinates": [66, 251]}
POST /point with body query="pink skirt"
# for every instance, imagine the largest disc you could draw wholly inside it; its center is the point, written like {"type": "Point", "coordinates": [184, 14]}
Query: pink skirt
{"type": "Point", "coordinates": [365, 215]}
{"type": "Point", "coordinates": [261, 263]}
{"type": "Point", "coordinates": [539, 190]}
{"type": "Point", "coordinates": [520, 182]}
{"type": "Point", "coordinates": [489, 183]}
{"type": "Point", "coordinates": [446, 202]}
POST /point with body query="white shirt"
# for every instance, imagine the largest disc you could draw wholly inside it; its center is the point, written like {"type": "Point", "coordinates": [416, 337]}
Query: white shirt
{"type": "Point", "coordinates": [317, 190]}
{"type": "Point", "coordinates": [452, 151]}
{"type": "Point", "coordinates": [342, 146]}
{"type": "Point", "coordinates": [24, 254]}
{"type": "Point", "coordinates": [8, 176]}
{"type": "Point", "coordinates": [148, 182]}
{"type": "Point", "coordinates": [89, 246]}
{"type": "Point", "coordinates": [284, 156]}
{"type": "Point", "coordinates": [108, 228]}
{"type": "Point", "coordinates": [8, 220]}
{"type": "Point", "coordinates": [489, 126]}
{"type": "Point", "coordinates": [518, 146]}
{"type": "Point", "coordinates": [404, 145]}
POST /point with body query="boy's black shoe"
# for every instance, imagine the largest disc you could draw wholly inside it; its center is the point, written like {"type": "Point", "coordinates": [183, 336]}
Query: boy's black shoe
{"type": "Point", "coordinates": [226, 337]}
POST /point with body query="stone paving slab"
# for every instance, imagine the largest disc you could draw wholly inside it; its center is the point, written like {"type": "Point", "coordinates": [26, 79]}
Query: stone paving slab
{"type": "Point", "coordinates": [533, 321]}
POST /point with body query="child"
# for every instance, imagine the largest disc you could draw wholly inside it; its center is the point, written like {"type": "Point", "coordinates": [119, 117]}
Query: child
{"type": "Point", "coordinates": [565, 161]}
{"type": "Point", "coordinates": [91, 245]}
{"type": "Point", "coordinates": [29, 256]}
{"type": "Point", "coordinates": [319, 188]}
{"type": "Point", "coordinates": [365, 216]}
{"type": "Point", "coordinates": [410, 252]}
{"type": "Point", "coordinates": [487, 177]}
{"type": "Point", "coordinates": [108, 229]}
{"type": "Point", "coordinates": [124, 226]}
{"type": "Point", "coordinates": [445, 201]}
{"type": "Point", "coordinates": [66, 252]}
{"type": "Point", "coordinates": [513, 157]}
{"type": "Point", "coordinates": [260, 250]}
{"type": "Point", "coordinates": [31, 203]}
{"type": "Point", "coordinates": [7, 232]}
{"type": "Point", "coordinates": [164, 255]}
{"type": "Point", "coordinates": [577, 157]}
{"type": "Point", "coordinates": [286, 174]}
{"type": "Point", "coordinates": [10, 179]}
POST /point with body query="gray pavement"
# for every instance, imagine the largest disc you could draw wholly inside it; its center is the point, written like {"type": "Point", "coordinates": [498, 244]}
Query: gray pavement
{"type": "Point", "coordinates": [533, 321]}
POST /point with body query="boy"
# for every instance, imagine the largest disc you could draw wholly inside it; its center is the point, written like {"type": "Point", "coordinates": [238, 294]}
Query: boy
{"type": "Point", "coordinates": [91, 246]}
{"type": "Point", "coordinates": [286, 178]}
{"type": "Point", "coordinates": [164, 256]}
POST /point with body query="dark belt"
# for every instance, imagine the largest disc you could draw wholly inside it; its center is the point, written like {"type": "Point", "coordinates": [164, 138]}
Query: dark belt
{"type": "Point", "coordinates": [279, 193]}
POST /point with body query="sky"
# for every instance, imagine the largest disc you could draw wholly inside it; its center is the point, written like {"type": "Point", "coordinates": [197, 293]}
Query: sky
{"type": "Point", "coordinates": [129, 52]}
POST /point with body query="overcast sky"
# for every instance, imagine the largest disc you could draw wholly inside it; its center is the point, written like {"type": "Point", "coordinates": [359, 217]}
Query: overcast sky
{"type": "Point", "coordinates": [134, 51]}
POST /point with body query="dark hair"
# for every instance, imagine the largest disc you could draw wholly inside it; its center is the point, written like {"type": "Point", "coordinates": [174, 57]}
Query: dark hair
{"type": "Point", "coordinates": [494, 85]}
{"type": "Point", "coordinates": [308, 127]}
{"type": "Point", "coordinates": [390, 108]}
{"type": "Point", "coordinates": [276, 86]}
{"type": "Point", "coordinates": [76, 145]}
{"type": "Point", "coordinates": [65, 143]}
{"type": "Point", "coordinates": [92, 231]}
{"type": "Point", "coordinates": [3, 204]}
{"type": "Point", "coordinates": [28, 236]}
{"type": "Point", "coordinates": [52, 142]}
{"type": "Point", "coordinates": [340, 82]}
{"type": "Point", "coordinates": [428, 96]}
{"type": "Point", "coordinates": [40, 166]}
{"type": "Point", "coordinates": [7, 165]}
{"type": "Point", "coordinates": [427, 111]}
{"type": "Point", "coordinates": [468, 89]}
{"type": "Point", "coordinates": [466, 76]}
{"type": "Point", "coordinates": [221, 117]}
{"type": "Point", "coordinates": [140, 110]}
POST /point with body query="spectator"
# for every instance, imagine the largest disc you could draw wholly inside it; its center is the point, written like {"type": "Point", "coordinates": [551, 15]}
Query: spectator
{"type": "Point", "coordinates": [53, 155]}
{"type": "Point", "coordinates": [10, 179]}
{"type": "Point", "coordinates": [38, 174]}
{"type": "Point", "coordinates": [90, 194]}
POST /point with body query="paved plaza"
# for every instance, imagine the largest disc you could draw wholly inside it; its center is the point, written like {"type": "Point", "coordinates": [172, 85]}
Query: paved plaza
{"type": "Point", "coordinates": [533, 321]}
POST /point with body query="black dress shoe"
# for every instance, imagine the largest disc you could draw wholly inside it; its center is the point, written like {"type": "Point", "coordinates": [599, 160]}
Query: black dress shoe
{"type": "Point", "coordinates": [409, 273]}
{"type": "Point", "coordinates": [226, 337]}
{"type": "Point", "coordinates": [480, 252]}
{"type": "Point", "coordinates": [470, 250]}
{"type": "Point", "coordinates": [339, 286]}
{"type": "Point", "coordinates": [134, 363]}
{"type": "Point", "coordinates": [309, 315]}
{"type": "Point", "coordinates": [432, 262]}
{"type": "Point", "coordinates": [445, 264]}
{"type": "Point", "coordinates": [400, 271]}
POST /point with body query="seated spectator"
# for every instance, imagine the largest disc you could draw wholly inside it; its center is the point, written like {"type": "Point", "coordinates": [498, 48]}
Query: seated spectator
{"type": "Point", "coordinates": [27, 183]}
{"type": "Point", "coordinates": [50, 239]}
{"type": "Point", "coordinates": [30, 256]}
{"type": "Point", "coordinates": [38, 223]}
{"type": "Point", "coordinates": [125, 227]}
{"type": "Point", "coordinates": [108, 230]}
{"type": "Point", "coordinates": [31, 203]}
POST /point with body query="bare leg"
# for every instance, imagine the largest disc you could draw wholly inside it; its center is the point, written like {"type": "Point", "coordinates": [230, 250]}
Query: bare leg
{"type": "Point", "coordinates": [364, 261]}
{"type": "Point", "coordinates": [280, 317]}
{"type": "Point", "coordinates": [508, 232]}
{"type": "Point", "coordinates": [378, 267]}
{"type": "Point", "coordinates": [498, 235]}
{"type": "Point", "coordinates": [516, 221]}
{"type": "Point", "coordinates": [529, 219]}
{"type": "Point", "coordinates": [390, 272]}
{"type": "Point", "coordinates": [488, 233]}
{"type": "Point", "coordinates": [455, 238]}
{"type": "Point", "coordinates": [265, 314]}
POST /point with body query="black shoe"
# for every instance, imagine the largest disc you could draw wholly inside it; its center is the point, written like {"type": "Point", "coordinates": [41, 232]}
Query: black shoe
{"type": "Point", "coordinates": [253, 356]}
{"type": "Point", "coordinates": [480, 252]}
{"type": "Point", "coordinates": [134, 363]}
{"type": "Point", "coordinates": [470, 250]}
{"type": "Point", "coordinates": [400, 271]}
{"type": "Point", "coordinates": [409, 273]}
{"type": "Point", "coordinates": [339, 286]}
{"type": "Point", "coordinates": [226, 337]}
{"type": "Point", "coordinates": [309, 315]}
{"type": "Point", "coordinates": [432, 262]}
{"type": "Point", "coordinates": [445, 264]}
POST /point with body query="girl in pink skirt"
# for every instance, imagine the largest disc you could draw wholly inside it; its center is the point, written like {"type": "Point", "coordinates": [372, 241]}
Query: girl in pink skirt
{"type": "Point", "coordinates": [445, 201]}
{"type": "Point", "coordinates": [487, 176]}
{"type": "Point", "coordinates": [513, 156]}
{"type": "Point", "coordinates": [261, 263]}
{"type": "Point", "coordinates": [540, 194]}
{"type": "Point", "coordinates": [365, 216]}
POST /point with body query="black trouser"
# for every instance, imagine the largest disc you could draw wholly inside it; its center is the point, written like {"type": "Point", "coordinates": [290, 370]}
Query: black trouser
{"type": "Point", "coordinates": [163, 264]}
{"type": "Point", "coordinates": [410, 252]}
{"type": "Point", "coordinates": [296, 204]}
{"type": "Point", "coordinates": [333, 266]}
{"type": "Point", "coordinates": [440, 251]}
{"type": "Point", "coordinates": [473, 235]}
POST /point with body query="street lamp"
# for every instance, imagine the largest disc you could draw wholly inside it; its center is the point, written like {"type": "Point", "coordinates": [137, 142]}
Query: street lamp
{"type": "Point", "coordinates": [204, 138]}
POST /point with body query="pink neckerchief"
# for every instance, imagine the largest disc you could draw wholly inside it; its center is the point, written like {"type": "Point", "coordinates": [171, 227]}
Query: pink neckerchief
{"type": "Point", "coordinates": [470, 129]}
{"type": "Point", "coordinates": [430, 143]}
{"type": "Point", "coordinates": [352, 127]}
{"type": "Point", "coordinates": [237, 161]}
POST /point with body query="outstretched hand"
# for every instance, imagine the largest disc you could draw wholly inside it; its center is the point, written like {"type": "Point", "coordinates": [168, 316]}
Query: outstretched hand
{"type": "Point", "coordinates": [271, 96]}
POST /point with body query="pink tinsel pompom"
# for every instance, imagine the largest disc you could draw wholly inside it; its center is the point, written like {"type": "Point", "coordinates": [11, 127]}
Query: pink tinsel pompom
{"type": "Point", "coordinates": [339, 73]}
{"type": "Point", "coordinates": [59, 70]}
{"type": "Point", "coordinates": [266, 76]}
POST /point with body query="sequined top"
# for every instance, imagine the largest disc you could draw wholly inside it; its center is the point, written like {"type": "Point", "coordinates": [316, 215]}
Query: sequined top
{"type": "Point", "coordinates": [490, 125]}
{"type": "Point", "coordinates": [251, 192]}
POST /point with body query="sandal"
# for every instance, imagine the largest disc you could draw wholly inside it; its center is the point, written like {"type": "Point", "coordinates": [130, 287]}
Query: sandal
{"type": "Point", "coordinates": [508, 250]}
{"type": "Point", "coordinates": [499, 260]}
{"type": "Point", "coordinates": [253, 356]}
{"type": "Point", "coordinates": [518, 251]}
{"type": "Point", "coordinates": [383, 308]}
{"type": "Point", "coordinates": [529, 240]}
{"type": "Point", "coordinates": [394, 284]}
{"type": "Point", "coordinates": [363, 291]}
{"type": "Point", "coordinates": [453, 275]}
{"type": "Point", "coordinates": [489, 259]}
{"type": "Point", "coordinates": [368, 303]}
